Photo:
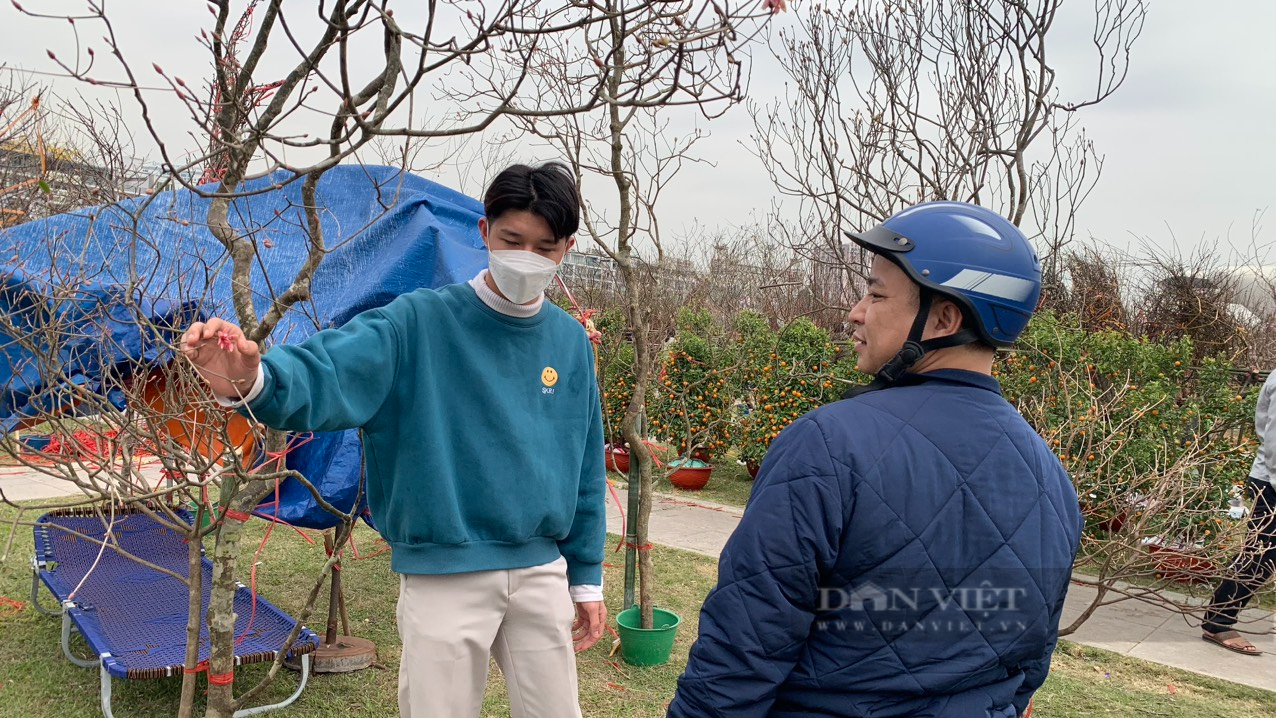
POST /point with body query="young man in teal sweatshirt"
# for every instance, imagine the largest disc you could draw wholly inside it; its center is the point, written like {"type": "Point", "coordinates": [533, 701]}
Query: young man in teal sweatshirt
{"type": "Point", "coordinates": [483, 444]}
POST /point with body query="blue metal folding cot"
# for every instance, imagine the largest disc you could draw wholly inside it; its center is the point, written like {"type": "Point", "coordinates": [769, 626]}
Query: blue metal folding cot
{"type": "Point", "coordinates": [134, 617]}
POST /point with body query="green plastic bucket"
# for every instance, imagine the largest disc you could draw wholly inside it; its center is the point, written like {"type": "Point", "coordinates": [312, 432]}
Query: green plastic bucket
{"type": "Point", "coordinates": [194, 509]}
{"type": "Point", "coordinates": [647, 646]}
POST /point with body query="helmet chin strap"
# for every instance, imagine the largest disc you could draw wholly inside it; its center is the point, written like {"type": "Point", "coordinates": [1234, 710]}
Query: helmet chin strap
{"type": "Point", "coordinates": [913, 350]}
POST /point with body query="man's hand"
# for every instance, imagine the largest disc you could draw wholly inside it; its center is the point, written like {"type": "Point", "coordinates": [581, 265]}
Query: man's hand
{"type": "Point", "coordinates": [591, 620]}
{"type": "Point", "coordinates": [223, 356]}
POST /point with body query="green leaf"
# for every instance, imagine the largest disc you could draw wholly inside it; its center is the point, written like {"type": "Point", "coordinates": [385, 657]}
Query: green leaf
{"type": "Point", "coordinates": [44, 187]}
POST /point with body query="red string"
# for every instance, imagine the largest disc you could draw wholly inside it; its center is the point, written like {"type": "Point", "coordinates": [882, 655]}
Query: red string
{"type": "Point", "coordinates": [355, 549]}
{"type": "Point", "coordinates": [622, 543]}
{"type": "Point", "coordinates": [335, 566]}
{"type": "Point", "coordinates": [237, 515]}
{"type": "Point", "coordinates": [252, 577]}
{"type": "Point", "coordinates": [252, 587]}
{"type": "Point", "coordinates": [252, 580]}
{"type": "Point", "coordinates": [655, 445]}
{"type": "Point", "coordinates": [652, 447]}
{"type": "Point", "coordinates": [167, 475]}
{"type": "Point", "coordinates": [619, 506]}
{"type": "Point", "coordinates": [582, 315]}
{"type": "Point", "coordinates": [276, 520]}
{"type": "Point", "coordinates": [199, 668]}
{"type": "Point", "coordinates": [272, 457]}
{"type": "Point", "coordinates": [11, 607]}
{"type": "Point", "coordinates": [222, 679]}
{"type": "Point", "coordinates": [81, 443]}
{"type": "Point", "coordinates": [297, 441]}
{"type": "Point", "coordinates": [693, 504]}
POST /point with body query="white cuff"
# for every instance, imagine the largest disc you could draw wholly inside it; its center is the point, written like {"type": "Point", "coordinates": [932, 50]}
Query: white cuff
{"type": "Point", "coordinates": [258, 384]}
{"type": "Point", "coordinates": [585, 594]}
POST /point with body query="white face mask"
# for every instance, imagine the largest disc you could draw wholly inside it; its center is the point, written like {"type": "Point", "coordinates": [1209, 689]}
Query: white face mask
{"type": "Point", "coordinates": [521, 276]}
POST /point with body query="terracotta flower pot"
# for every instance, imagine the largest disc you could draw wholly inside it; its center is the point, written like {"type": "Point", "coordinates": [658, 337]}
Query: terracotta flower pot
{"type": "Point", "coordinates": [1181, 565]}
{"type": "Point", "coordinates": [1115, 523]}
{"type": "Point", "coordinates": [617, 459]}
{"type": "Point", "coordinates": [691, 478]}
{"type": "Point", "coordinates": [1106, 522]}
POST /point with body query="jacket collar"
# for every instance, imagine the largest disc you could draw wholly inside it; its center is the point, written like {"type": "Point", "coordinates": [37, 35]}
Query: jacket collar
{"type": "Point", "coordinates": [953, 376]}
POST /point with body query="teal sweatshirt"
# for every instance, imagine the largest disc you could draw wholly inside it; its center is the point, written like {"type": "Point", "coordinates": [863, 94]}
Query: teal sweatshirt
{"type": "Point", "coordinates": [482, 432]}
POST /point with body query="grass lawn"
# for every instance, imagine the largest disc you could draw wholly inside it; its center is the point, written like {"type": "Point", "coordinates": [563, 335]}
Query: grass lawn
{"type": "Point", "coordinates": [35, 680]}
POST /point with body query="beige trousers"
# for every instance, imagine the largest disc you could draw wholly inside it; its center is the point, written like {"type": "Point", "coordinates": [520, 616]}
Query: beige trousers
{"type": "Point", "coordinates": [451, 625]}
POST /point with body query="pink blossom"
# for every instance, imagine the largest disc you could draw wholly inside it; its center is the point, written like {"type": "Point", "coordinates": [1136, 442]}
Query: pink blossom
{"type": "Point", "coordinates": [225, 340]}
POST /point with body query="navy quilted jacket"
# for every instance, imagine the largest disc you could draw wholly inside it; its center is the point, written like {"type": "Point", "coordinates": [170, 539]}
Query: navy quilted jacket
{"type": "Point", "coordinates": [904, 553]}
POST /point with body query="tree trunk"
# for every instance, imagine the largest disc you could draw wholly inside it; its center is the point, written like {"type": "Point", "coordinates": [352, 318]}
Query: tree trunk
{"type": "Point", "coordinates": [637, 319]}
{"type": "Point", "coordinates": [646, 574]}
{"type": "Point", "coordinates": [194, 616]}
{"type": "Point", "coordinates": [221, 605]}
{"type": "Point", "coordinates": [637, 449]}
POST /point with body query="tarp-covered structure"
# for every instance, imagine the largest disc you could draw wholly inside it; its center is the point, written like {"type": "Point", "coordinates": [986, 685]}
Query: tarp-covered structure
{"type": "Point", "coordinates": [121, 274]}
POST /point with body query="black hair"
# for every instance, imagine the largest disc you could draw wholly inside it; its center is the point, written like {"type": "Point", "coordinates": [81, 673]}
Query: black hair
{"type": "Point", "coordinates": [548, 191]}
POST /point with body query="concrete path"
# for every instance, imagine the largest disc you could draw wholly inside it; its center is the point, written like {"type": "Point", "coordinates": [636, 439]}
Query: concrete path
{"type": "Point", "coordinates": [18, 483]}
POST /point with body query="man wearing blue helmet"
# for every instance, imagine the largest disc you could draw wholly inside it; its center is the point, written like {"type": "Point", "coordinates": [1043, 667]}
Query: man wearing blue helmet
{"type": "Point", "coordinates": [905, 551]}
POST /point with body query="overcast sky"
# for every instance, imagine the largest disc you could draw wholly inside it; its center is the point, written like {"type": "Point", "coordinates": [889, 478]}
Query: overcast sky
{"type": "Point", "coordinates": [1188, 141]}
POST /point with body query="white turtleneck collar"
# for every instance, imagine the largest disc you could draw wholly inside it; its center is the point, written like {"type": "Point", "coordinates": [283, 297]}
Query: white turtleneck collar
{"type": "Point", "coordinates": [500, 304]}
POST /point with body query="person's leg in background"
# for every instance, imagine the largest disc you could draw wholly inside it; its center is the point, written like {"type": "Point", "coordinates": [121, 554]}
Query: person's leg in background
{"type": "Point", "coordinates": [1252, 568]}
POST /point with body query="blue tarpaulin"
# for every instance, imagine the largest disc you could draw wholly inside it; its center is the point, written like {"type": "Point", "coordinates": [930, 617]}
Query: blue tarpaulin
{"type": "Point", "coordinates": [118, 272]}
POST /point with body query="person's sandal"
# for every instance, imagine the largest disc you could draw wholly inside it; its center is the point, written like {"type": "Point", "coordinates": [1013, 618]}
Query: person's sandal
{"type": "Point", "coordinates": [1232, 641]}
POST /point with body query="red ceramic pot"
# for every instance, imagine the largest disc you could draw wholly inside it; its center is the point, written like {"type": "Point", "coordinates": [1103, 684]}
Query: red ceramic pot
{"type": "Point", "coordinates": [691, 478]}
{"type": "Point", "coordinates": [1112, 524]}
{"type": "Point", "coordinates": [1182, 566]}
{"type": "Point", "coordinates": [618, 459]}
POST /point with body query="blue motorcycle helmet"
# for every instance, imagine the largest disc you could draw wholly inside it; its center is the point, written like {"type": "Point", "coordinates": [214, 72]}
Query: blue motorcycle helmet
{"type": "Point", "coordinates": [969, 255]}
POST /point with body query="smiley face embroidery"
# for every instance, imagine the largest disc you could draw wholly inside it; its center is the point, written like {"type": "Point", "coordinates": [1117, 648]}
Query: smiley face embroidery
{"type": "Point", "coordinates": [549, 376]}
